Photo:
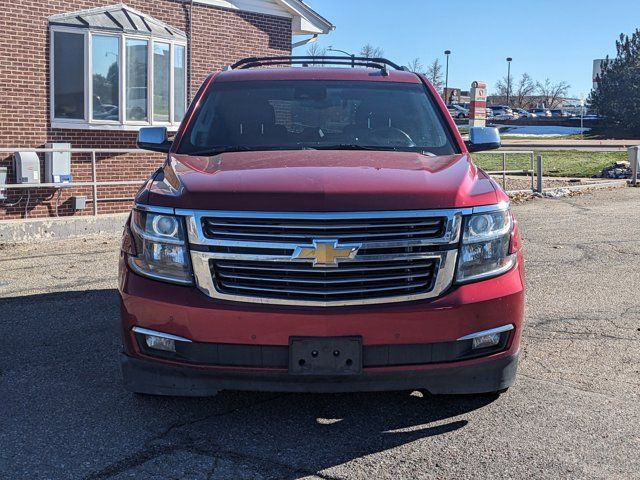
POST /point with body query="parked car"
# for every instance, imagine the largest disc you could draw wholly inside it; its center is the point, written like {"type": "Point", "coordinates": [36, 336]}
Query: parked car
{"type": "Point", "coordinates": [593, 117]}
{"type": "Point", "coordinates": [560, 113]}
{"type": "Point", "coordinates": [541, 112]}
{"type": "Point", "coordinates": [524, 113]}
{"type": "Point", "coordinates": [106, 112]}
{"type": "Point", "coordinates": [458, 111]}
{"type": "Point", "coordinates": [502, 112]}
{"type": "Point", "coordinates": [319, 230]}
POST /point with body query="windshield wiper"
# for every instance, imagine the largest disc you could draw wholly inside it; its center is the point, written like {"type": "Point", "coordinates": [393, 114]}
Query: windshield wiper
{"type": "Point", "coordinates": [349, 146]}
{"type": "Point", "coordinates": [218, 150]}
{"type": "Point", "coordinates": [212, 152]}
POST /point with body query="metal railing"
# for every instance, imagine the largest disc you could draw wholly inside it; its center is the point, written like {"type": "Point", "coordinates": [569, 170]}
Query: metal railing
{"type": "Point", "coordinates": [536, 163]}
{"type": "Point", "coordinates": [94, 183]}
{"type": "Point", "coordinates": [634, 161]}
{"type": "Point", "coordinates": [534, 170]}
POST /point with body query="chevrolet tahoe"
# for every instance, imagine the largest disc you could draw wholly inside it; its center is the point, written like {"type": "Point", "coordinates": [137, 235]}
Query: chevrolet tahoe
{"type": "Point", "coordinates": [320, 230]}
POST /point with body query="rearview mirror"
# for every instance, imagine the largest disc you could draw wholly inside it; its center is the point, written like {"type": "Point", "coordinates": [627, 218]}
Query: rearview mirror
{"type": "Point", "coordinates": [154, 139]}
{"type": "Point", "coordinates": [483, 138]}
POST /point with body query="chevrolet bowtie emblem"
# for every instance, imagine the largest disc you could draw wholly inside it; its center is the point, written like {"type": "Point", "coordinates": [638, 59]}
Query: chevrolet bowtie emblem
{"type": "Point", "coordinates": [326, 253]}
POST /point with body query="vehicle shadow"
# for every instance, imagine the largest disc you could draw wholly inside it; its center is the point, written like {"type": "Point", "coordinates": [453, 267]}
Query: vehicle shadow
{"type": "Point", "coordinates": [62, 355]}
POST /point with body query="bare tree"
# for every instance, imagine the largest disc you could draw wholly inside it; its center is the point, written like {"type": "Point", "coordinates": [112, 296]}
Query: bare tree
{"type": "Point", "coordinates": [369, 51]}
{"type": "Point", "coordinates": [416, 66]}
{"type": "Point", "coordinates": [522, 91]}
{"type": "Point", "coordinates": [525, 88]}
{"type": "Point", "coordinates": [551, 94]}
{"type": "Point", "coordinates": [501, 88]}
{"type": "Point", "coordinates": [316, 50]}
{"type": "Point", "coordinates": [435, 75]}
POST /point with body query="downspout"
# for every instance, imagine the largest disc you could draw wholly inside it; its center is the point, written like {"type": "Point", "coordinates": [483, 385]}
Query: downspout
{"type": "Point", "coordinates": [306, 41]}
{"type": "Point", "coordinates": [190, 52]}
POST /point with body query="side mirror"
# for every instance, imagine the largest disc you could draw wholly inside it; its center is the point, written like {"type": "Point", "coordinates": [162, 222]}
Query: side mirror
{"type": "Point", "coordinates": [154, 139]}
{"type": "Point", "coordinates": [483, 138]}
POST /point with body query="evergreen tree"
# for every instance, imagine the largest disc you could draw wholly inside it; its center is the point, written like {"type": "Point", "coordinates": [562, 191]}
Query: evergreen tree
{"type": "Point", "coordinates": [617, 96]}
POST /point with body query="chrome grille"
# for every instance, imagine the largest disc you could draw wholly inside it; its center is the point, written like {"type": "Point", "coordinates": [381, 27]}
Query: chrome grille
{"type": "Point", "coordinates": [309, 229]}
{"type": "Point", "coordinates": [301, 281]}
{"type": "Point", "coordinates": [250, 256]}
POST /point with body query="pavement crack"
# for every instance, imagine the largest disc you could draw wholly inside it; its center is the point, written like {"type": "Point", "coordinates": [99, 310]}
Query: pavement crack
{"type": "Point", "coordinates": [204, 418]}
{"type": "Point", "coordinates": [566, 385]}
{"type": "Point", "coordinates": [153, 447]}
{"type": "Point", "coordinates": [139, 458]}
{"type": "Point", "coordinates": [586, 335]}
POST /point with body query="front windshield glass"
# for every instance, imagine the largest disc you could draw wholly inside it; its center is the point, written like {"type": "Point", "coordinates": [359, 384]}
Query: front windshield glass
{"type": "Point", "coordinates": [316, 114]}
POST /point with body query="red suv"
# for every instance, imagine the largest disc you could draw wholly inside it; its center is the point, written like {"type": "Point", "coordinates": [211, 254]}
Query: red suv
{"type": "Point", "coordinates": [320, 230]}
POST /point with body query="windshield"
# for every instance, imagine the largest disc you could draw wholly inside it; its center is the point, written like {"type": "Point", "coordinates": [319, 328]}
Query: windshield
{"type": "Point", "coordinates": [315, 114]}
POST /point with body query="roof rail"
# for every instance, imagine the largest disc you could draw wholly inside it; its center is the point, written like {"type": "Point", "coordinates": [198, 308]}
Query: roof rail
{"type": "Point", "coordinates": [379, 63]}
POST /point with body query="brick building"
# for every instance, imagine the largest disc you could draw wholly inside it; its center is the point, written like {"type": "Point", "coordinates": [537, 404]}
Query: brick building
{"type": "Point", "coordinates": [90, 73]}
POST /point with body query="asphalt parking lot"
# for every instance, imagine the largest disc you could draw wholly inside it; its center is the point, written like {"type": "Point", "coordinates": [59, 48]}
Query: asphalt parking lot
{"type": "Point", "coordinates": [574, 412]}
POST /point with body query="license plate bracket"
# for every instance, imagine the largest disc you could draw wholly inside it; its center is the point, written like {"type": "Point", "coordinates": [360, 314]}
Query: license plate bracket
{"type": "Point", "coordinates": [340, 356]}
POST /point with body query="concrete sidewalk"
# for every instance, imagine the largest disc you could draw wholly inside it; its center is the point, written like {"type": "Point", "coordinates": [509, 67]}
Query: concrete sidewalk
{"type": "Point", "coordinates": [18, 231]}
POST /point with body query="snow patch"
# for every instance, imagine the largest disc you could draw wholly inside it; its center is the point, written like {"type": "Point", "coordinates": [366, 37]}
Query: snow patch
{"type": "Point", "coordinates": [541, 131]}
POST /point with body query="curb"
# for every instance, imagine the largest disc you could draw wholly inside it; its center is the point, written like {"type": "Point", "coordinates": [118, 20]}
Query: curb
{"type": "Point", "coordinates": [32, 230]}
{"type": "Point", "coordinates": [578, 188]}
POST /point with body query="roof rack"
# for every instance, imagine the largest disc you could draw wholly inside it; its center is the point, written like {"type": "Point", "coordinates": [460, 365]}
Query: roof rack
{"type": "Point", "coordinates": [380, 63]}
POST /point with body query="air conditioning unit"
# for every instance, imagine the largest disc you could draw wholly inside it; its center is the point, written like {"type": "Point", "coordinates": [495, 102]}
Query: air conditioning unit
{"type": "Point", "coordinates": [57, 165]}
{"type": "Point", "coordinates": [3, 181]}
{"type": "Point", "coordinates": [27, 167]}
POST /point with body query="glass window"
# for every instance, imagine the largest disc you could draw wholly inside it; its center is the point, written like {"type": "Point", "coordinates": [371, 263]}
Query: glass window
{"type": "Point", "coordinates": [179, 83]}
{"type": "Point", "coordinates": [161, 76]}
{"type": "Point", "coordinates": [137, 80]}
{"type": "Point", "coordinates": [68, 75]}
{"type": "Point", "coordinates": [269, 115]}
{"type": "Point", "coordinates": [123, 90]}
{"type": "Point", "coordinates": [106, 77]}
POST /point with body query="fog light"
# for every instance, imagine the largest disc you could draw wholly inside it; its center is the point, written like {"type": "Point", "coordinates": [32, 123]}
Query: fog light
{"type": "Point", "coordinates": [482, 342]}
{"type": "Point", "coordinates": [486, 338]}
{"type": "Point", "coordinates": [159, 343]}
{"type": "Point", "coordinates": [159, 340]}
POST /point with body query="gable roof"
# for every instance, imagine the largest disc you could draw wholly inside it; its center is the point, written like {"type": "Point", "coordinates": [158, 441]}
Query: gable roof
{"type": "Point", "coordinates": [307, 17]}
{"type": "Point", "coordinates": [305, 20]}
{"type": "Point", "coordinates": [117, 18]}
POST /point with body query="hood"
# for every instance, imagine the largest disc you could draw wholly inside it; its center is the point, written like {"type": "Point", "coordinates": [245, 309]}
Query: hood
{"type": "Point", "coordinates": [323, 180]}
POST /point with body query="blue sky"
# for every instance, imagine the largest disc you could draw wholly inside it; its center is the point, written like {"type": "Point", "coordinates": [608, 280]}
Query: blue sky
{"type": "Point", "coordinates": [558, 39]}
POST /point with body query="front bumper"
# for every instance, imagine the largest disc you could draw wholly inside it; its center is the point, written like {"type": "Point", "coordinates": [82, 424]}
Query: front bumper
{"type": "Point", "coordinates": [186, 312]}
{"type": "Point", "coordinates": [153, 378]}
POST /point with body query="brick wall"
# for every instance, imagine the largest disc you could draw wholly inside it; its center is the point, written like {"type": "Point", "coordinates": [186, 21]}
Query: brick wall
{"type": "Point", "coordinates": [220, 37]}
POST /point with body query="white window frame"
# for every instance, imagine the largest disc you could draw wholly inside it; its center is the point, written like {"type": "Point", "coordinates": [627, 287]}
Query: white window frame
{"type": "Point", "coordinates": [89, 80]}
{"type": "Point", "coordinates": [173, 85]}
{"type": "Point", "coordinates": [88, 123]}
{"type": "Point", "coordinates": [63, 122]}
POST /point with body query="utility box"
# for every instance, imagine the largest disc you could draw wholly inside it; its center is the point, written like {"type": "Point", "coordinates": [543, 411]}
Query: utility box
{"type": "Point", "coordinates": [78, 203]}
{"type": "Point", "coordinates": [3, 181]}
{"type": "Point", "coordinates": [27, 167]}
{"type": "Point", "coordinates": [57, 165]}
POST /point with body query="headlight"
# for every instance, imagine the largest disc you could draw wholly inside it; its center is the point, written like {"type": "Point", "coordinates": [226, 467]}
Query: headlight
{"type": "Point", "coordinates": [485, 249]}
{"type": "Point", "coordinates": [161, 247]}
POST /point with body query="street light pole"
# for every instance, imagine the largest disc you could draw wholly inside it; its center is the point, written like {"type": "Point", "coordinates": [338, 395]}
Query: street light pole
{"type": "Point", "coordinates": [353, 57]}
{"type": "Point", "coordinates": [582, 104]}
{"type": "Point", "coordinates": [509, 60]}
{"type": "Point", "coordinates": [446, 81]}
